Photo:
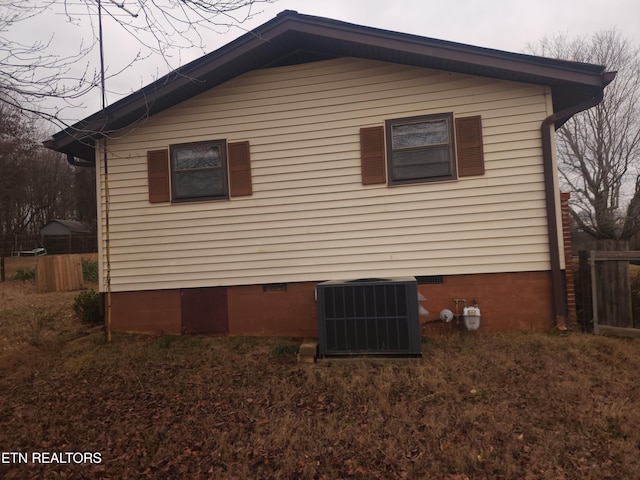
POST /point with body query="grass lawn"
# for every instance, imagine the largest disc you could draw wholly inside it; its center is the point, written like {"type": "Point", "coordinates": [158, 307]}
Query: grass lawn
{"type": "Point", "coordinates": [521, 406]}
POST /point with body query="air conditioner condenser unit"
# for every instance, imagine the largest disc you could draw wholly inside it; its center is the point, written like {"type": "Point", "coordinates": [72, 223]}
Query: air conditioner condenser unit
{"type": "Point", "coordinates": [371, 316]}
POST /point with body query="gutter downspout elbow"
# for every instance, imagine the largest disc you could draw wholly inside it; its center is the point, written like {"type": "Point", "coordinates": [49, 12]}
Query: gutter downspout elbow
{"type": "Point", "coordinates": [550, 197]}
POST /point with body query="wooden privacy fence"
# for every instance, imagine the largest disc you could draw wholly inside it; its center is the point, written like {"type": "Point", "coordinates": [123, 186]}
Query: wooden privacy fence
{"type": "Point", "coordinates": [613, 285]}
{"type": "Point", "coordinates": [59, 273]}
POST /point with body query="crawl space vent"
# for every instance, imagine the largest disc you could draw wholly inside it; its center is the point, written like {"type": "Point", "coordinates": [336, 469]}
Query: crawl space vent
{"type": "Point", "coordinates": [370, 316]}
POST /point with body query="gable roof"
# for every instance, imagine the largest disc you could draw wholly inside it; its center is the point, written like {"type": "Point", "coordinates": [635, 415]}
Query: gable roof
{"type": "Point", "coordinates": [72, 226]}
{"type": "Point", "coordinates": [292, 38]}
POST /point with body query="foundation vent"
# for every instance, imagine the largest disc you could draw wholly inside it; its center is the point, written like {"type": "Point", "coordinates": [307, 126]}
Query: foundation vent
{"type": "Point", "coordinates": [370, 316]}
{"type": "Point", "coordinates": [430, 280]}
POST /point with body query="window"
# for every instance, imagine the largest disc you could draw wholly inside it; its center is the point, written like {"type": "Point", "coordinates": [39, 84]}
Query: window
{"type": "Point", "coordinates": [420, 149]}
{"type": "Point", "coordinates": [423, 150]}
{"type": "Point", "coordinates": [199, 170]}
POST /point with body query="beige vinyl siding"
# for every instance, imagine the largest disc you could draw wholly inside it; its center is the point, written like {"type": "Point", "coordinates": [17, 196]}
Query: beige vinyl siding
{"type": "Point", "coordinates": [310, 218]}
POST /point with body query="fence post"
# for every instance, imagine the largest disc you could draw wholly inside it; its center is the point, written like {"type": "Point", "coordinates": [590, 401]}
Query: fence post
{"type": "Point", "coordinates": [595, 308]}
{"type": "Point", "coordinates": [613, 292]}
{"type": "Point", "coordinates": [584, 277]}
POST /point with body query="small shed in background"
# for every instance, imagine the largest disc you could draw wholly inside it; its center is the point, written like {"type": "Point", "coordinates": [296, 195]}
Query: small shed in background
{"type": "Point", "coordinates": [68, 236]}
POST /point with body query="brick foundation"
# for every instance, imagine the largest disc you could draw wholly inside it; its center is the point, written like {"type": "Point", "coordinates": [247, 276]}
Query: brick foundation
{"type": "Point", "coordinates": [508, 302]}
{"type": "Point", "coordinates": [568, 257]}
{"type": "Point", "coordinates": [156, 312]}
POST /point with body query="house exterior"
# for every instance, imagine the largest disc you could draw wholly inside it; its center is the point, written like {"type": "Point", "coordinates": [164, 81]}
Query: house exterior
{"type": "Point", "coordinates": [310, 150]}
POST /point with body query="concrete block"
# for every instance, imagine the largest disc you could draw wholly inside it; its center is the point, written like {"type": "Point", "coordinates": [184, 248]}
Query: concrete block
{"type": "Point", "coordinates": [308, 352]}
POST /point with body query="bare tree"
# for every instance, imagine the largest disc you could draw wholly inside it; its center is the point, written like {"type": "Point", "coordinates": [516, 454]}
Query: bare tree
{"type": "Point", "coordinates": [36, 184]}
{"type": "Point", "coordinates": [29, 72]}
{"type": "Point", "coordinates": [34, 73]}
{"type": "Point", "coordinates": [599, 149]}
{"type": "Point", "coordinates": [164, 27]}
{"type": "Point", "coordinates": [16, 146]}
{"type": "Point", "coordinates": [85, 197]}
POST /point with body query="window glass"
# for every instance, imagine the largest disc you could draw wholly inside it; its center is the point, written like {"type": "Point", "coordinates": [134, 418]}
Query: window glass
{"type": "Point", "coordinates": [199, 170]}
{"type": "Point", "coordinates": [420, 149]}
{"type": "Point", "coordinates": [420, 134]}
{"type": "Point", "coordinates": [411, 164]}
{"type": "Point", "coordinates": [201, 183]}
{"type": "Point", "coordinates": [204, 156]}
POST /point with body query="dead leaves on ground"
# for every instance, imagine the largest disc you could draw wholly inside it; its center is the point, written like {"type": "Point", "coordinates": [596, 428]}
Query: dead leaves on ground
{"type": "Point", "coordinates": [484, 407]}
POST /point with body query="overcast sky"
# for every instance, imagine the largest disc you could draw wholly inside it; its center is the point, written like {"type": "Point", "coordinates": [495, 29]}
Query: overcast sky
{"type": "Point", "coordinates": [499, 24]}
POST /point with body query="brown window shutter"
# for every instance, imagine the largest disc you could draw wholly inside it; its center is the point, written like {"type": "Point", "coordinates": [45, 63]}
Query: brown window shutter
{"type": "Point", "coordinates": [469, 146]}
{"type": "Point", "coordinates": [158, 176]}
{"type": "Point", "coordinates": [372, 155]}
{"type": "Point", "coordinates": [239, 169]}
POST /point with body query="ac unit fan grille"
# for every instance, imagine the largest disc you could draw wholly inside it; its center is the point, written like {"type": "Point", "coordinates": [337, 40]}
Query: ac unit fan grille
{"type": "Point", "coordinates": [378, 317]}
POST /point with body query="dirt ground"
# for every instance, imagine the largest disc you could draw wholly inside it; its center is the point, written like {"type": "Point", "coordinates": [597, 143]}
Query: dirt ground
{"type": "Point", "coordinates": [12, 264]}
{"type": "Point", "coordinates": [28, 317]}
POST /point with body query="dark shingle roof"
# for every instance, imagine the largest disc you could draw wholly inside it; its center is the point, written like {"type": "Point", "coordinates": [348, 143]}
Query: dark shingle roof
{"type": "Point", "coordinates": [72, 225]}
{"type": "Point", "coordinates": [292, 38]}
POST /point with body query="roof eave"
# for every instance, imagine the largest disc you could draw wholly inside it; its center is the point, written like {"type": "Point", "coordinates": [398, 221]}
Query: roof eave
{"type": "Point", "coordinates": [571, 82]}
